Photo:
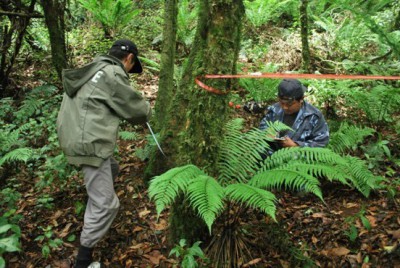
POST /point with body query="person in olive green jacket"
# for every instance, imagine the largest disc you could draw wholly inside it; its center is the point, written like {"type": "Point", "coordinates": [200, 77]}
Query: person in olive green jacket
{"type": "Point", "coordinates": [96, 97]}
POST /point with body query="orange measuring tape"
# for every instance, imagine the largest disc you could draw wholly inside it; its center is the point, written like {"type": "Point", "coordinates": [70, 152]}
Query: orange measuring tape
{"type": "Point", "coordinates": [283, 75]}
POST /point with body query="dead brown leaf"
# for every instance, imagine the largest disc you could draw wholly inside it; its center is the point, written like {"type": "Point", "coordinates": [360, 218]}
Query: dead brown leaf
{"type": "Point", "coordinates": [252, 262]}
{"type": "Point", "coordinates": [65, 231]}
{"type": "Point", "coordinates": [161, 225]}
{"type": "Point", "coordinates": [144, 212]}
{"type": "Point", "coordinates": [336, 252]}
{"type": "Point", "coordinates": [319, 215]}
{"type": "Point", "coordinates": [154, 257]}
{"type": "Point", "coordinates": [395, 234]}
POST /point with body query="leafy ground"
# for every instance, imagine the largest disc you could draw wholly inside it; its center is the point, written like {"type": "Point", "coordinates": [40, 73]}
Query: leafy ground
{"type": "Point", "coordinates": [348, 231]}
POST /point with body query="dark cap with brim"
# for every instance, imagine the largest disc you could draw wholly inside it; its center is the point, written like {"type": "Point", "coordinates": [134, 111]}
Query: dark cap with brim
{"type": "Point", "coordinates": [291, 88]}
{"type": "Point", "coordinates": [129, 46]}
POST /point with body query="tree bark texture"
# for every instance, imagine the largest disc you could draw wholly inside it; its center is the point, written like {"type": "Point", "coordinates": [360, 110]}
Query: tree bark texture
{"type": "Point", "coordinates": [54, 17]}
{"type": "Point", "coordinates": [166, 82]}
{"type": "Point", "coordinates": [197, 116]}
{"type": "Point", "coordinates": [306, 55]}
{"type": "Point", "coordinates": [193, 127]}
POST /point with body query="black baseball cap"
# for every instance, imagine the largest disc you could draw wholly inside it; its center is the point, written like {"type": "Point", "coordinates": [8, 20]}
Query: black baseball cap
{"type": "Point", "coordinates": [291, 89]}
{"type": "Point", "coordinates": [129, 46]}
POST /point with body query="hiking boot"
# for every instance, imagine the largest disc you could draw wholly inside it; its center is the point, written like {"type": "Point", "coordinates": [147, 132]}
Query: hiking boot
{"type": "Point", "coordinates": [96, 265]}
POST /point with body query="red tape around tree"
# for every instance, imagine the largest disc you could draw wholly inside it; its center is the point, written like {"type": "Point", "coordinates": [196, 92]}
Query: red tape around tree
{"type": "Point", "coordinates": [283, 75]}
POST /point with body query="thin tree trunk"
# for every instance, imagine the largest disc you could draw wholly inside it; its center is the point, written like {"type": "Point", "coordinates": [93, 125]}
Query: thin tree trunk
{"type": "Point", "coordinates": [306, 55]}
{"type": "Point", "coordinates": [166, 85]}
{"type": "Point", "coordinates": [166, 82]}
{"type": "Point", "coordinates": [54, 17]}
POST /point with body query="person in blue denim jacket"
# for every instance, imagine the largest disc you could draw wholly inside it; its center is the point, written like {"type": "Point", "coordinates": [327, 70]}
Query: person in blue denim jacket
{"type": "Point", "coordinates": [309, 128]}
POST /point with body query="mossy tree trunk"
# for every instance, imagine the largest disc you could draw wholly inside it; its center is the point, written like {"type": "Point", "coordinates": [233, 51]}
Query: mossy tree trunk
{"type": "Point", "coordinates": [192, 128]}
{"type": "Point", "coordinates": [166, 82]}
{"type": "Point", "coordinates": [54, 18]}
{"type": "Point", "coordinates": [306, 55]}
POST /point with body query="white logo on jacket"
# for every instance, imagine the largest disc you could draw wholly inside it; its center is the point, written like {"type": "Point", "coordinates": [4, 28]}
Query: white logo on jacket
{"type": "Point", "coordinates": [97, 76]}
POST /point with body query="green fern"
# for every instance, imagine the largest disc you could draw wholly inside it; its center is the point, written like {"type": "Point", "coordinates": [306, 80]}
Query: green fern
{"type": "Point", "coordinates": [347, 137]}
{"type": "Point", "coordinates": [17, 155]}
{"type": "Point", "coordinates": [236, 161]}
{"type": "Point", "coordinates": [299, 168]}
{"type": "Point", "coordinates": [113, 15]}
{"type": "Point", "coordinates": [261, 90]}
{"type": "Point", "coordinates": [205, 195]}
{"type": "Point", "coordinates": [240, 153]}
{"type": "Point", "coordinates": [287, 179]}
{"type": "Point", "coordinates": [9, 140]}
{"type": "Point", "coordinates": [166, 187]}
{"type": "Point", "coordinates": [361, 177]}
{"type": "Point", "coordinates": [255, 197]}
{"type": "Point", "coordinates": [130, 136]}
{"type": "Point", "coordinates": [244, 178]}
{"type": "Point", "coordinates": [29, 107]}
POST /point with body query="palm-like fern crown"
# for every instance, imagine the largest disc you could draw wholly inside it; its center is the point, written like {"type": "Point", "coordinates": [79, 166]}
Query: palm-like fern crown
{"type": "Point", "coordinates": [245, 178]}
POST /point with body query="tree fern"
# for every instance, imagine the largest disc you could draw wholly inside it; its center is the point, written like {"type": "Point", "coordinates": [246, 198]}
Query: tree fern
{"type": "Point", "coordinates": [253, 197]}
{"type": "Point", "coordinates": [245, 176]}
{"type": "Point", "coordinates": [166, 187]}
{"type": "Point", "coordinates": [205, 195]}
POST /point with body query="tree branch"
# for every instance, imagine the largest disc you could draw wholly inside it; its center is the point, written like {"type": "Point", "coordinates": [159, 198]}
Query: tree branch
{"type": "Point", "coordinates": [16, 14]}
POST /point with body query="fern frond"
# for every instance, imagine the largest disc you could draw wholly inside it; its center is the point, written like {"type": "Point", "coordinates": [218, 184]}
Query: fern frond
{"type": "Point", "coordinates": [8, 140]}
{"type": "Point", "coordinates": [130, 136]}
{"type": "Point", "coordinates": [20, 154]}
{"type": "Point", "coordinates": [205, 195]}
{"type": "Point", "coordinates": [166, 187]}
{"type": "Point", "coordinates": [43, 91]}
{"type": "Point", "coordinates": [240, 152]}
{"type": "Point", "coordinates": [309, 162]}
{"type": "Point", "coordinates": [29, 106]}
{"type": "Point", "coordinates": [360, 176]}
{"type": "Point", "coordinates": [304, 154]}
{"type": "Point", "coordinates": [331, 172]}
{"type": "Point", "coordinates": [347, 137]}
{"type": "Point", "coordinates": [253, 197]}
{"type": "Point", "coordinates": [288, 179]}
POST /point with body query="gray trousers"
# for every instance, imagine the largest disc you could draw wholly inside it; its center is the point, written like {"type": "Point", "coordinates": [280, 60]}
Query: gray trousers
{"type": "Point", "coordinates": [103, 204]}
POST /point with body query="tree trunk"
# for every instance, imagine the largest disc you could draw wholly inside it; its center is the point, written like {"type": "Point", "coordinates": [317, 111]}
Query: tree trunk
{"type": "Point", "coordinates": [12, 37]}
{"type": "Point", "coordinates": [192, 129]}
{"type": "Point", "coordinates": [54, 17]}
{"type": "Point", "coordinates": [306, 55]}
{"type": "Point", "coordinates": [166, 83]}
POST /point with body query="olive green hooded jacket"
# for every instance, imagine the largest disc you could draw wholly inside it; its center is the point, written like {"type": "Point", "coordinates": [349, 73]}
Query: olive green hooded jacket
{"type": "Point", "coordinates": [96, 97]}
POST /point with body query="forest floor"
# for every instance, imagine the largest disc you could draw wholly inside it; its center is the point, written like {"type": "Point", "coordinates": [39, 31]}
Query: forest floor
{"type": "Point", "coordinates": [349, 230]}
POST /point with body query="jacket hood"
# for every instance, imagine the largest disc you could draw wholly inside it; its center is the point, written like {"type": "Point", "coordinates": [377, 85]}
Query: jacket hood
{"type": "Point", "coordinates": [74, 79]}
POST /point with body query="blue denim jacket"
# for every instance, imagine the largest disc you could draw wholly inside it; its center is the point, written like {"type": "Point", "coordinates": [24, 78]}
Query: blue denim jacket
{"type": "Point", "coordinates": [309, 129]}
